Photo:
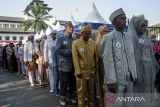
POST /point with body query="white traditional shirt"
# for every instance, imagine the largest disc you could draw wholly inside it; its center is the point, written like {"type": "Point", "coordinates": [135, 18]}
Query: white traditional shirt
{"type": "Point", "coordinates": [48, 48]}
{"type": "Point", "coordinates": [20, 53]}
{"type": "Point", "coordinates": [29, 51]}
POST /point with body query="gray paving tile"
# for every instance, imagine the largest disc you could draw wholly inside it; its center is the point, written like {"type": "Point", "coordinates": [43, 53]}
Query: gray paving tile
{"type": "Point", "coordinates": [16, 92]}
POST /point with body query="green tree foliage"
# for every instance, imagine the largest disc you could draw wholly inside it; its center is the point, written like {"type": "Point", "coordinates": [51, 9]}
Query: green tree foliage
{"type": "Point", "coordinates": [37, 14]}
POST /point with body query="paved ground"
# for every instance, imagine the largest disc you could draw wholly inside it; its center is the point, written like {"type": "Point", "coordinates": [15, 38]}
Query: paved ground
{"type": "Point", "coordinates": [15, 91]}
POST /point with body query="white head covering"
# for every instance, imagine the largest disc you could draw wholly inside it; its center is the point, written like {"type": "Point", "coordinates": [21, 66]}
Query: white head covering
{"type": "Point", "coordinates": [116, 13]}
{"type": "Point", "coordinates": [31, 35]}
{"type": "Point", "coordinates": [52, 31]}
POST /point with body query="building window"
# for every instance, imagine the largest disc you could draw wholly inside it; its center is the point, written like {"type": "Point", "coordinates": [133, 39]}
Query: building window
{"type": "Point", "coordinates": [21, 38]}
{"type": "Point", "coordinates": [0, 25]}
{"type": "Point", "coordinates": [7, 38]}
{"type": "Point", "coordinates": [5, 25]}
{"type": "Point", "coordinates": [12, 26]}
{"type": "Point", "coordinates": [19, 26]}
{"type": "Point", "coordinates": [14, 38]}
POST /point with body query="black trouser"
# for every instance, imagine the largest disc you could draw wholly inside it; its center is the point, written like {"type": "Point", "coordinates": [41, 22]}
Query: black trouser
{"type": "Point", "coordinates": [67, 81]}
{"type": "Point", "coordinates": [5, 63]}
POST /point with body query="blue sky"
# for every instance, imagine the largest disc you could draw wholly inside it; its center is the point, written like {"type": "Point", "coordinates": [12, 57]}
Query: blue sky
{"type": "Point", "coordinates": [62, 9]}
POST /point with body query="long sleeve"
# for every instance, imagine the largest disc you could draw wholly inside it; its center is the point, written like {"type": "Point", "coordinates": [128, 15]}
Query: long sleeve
{"type": "Point", "coordinates": [107, 54]}
{"type": "Point", "coordinates": [25, 52]}
{"type": "Point", "coordinates": [38, 51]}
{"type": "Point", "coordinates": [62, 51]}
{"type": "Point", "coordinates": [46, 51]}
{"type": "Point", "coordinates": [75, 59]}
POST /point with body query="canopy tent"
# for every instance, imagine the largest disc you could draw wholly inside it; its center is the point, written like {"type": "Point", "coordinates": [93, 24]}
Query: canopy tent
{"type": "Point", "coordinates": [48, 31]}
{"type": "Point", "coordinates": [94, 26]}
{"type": "Point", "coordinates": [73, 20]}
{"type": "Point", "coordinates": [94, 16]}
{"type": "Point", "coordinates": [24, 40]}
{"type": "Point", "coordinates": [59, 27]}
{"type": "Point", "coordinates": [94, 19]}
{"type": "Point", "coordinates": [36, 36]}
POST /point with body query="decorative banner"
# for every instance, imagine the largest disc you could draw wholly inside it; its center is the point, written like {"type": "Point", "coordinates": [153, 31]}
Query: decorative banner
{"type": "Point", "coordinates": [9, 41]}
{"type": "Point", "coordinates": [94, 26]}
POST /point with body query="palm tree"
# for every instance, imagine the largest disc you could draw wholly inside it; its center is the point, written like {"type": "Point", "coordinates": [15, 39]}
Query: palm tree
{"type": "Point", "coordinates": [37, 15]}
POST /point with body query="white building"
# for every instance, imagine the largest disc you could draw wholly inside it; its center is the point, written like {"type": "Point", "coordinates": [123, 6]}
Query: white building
{"type": "Point", "coordinates": [11, 30]}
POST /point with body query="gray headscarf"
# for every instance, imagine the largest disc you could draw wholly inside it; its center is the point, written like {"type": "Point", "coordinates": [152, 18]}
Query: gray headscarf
{"type": "Point", "coordinates": [135, 24]}
{"type": "Point", "coordinates": [133, 28]}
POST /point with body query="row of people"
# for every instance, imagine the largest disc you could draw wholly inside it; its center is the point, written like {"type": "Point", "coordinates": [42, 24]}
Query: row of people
{"type": "Point", "coordinates": [117, 62]}
{"type": "Point", "coordinates": [11, 58]}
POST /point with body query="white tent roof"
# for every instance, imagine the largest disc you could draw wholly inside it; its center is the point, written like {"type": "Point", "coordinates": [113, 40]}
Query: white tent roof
{"type": "Point", "coordinates": [48, 31]}
{"type": "Point", "coordinates": [41, 33]}
{"type": "Point", "coordinates": [36, 36]}
{"type": "Point", "coordinates": [72, 20]}
{"type": "Point", "coordinates": [24, 40]}
{"type": "Point", "coordinates": [94, 16]}
{"type": "Point", "coordinates": [59, 27]}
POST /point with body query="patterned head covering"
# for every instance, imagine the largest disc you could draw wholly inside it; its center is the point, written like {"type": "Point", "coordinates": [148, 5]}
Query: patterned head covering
{"type": "Point", "coordinates": [115, 14]}
{"type": "Point", "coordinates": [87, 28]}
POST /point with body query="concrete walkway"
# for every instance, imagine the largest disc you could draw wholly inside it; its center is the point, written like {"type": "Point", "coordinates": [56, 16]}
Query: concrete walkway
{"type": "Point", "coordinates": [15, 91]}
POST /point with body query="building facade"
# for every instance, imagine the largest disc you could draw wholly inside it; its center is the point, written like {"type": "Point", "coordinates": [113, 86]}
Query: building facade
{"type": "Point", "coordinates": [11, 30]}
